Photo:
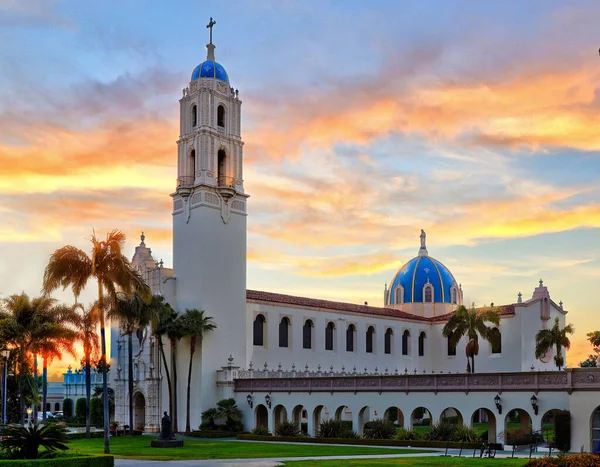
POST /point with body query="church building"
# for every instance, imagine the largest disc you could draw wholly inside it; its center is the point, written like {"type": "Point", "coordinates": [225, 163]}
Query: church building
{"type": "Point", "coordinates": [269, 346]}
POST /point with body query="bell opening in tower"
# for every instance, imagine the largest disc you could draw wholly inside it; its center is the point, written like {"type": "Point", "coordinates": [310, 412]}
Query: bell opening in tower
{"type": "Point", "coordinates": [221, 116]}
{"type": "Point", "coordinates": [222, 168]}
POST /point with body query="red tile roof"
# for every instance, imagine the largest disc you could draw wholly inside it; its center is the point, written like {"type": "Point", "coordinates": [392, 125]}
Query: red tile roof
{"type": "Point", "coordinates": [315, 303]}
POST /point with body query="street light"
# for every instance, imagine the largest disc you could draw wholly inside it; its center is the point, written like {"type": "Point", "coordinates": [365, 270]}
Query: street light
{"type": "Point", "coordinates": [249, 400]}
{"type": "Point", "coordinates": [534, 404]}
{"type": "Point", "coordinates": [29, 412]}
{"type": "Point", "coordinates": [5, 355]}
{"type": "Point", "coordinates": [268, 400]}
{"type": "Point", "coordinates": [498, 405]}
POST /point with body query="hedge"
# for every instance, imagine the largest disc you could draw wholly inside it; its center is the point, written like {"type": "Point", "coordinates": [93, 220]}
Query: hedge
{"type": "Point", "coordinates": [365, 442]}
{"type": "Point", "coordinates": [80, 410]}
{"type": "Point", "coordinates": [67, 461]}
{"type": "Point", "coordinates": [573, 460]}
{"type": "Point", "coordinates": [211, 434]}
{"type": "Point", "coordinates": [93, 434]}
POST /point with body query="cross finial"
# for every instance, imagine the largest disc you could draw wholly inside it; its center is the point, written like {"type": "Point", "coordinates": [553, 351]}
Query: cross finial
{"type": "Point", "coordinates": [541, 283]}
{"type": "Point", "coordinates": [142, 238]}
{"type": "Point", "coordinates": [210, 25]}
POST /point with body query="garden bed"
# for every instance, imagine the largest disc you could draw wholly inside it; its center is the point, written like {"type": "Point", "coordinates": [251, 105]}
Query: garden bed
{"type": "Point", "coordinates": [65, 461]}
{"type": "Point", "coordinates": [417, 443]}
{"type": "Point", "coordinates": [212, 434]}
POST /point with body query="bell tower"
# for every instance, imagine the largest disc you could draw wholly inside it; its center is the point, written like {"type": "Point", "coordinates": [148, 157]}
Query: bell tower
{"type": "Point", "coordinates": [209, 222]}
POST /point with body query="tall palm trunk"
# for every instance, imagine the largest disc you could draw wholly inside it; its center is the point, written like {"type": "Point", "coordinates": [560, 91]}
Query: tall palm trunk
{"type": "Point", "coordinates": [130, 379]}
{"type": "Point", "coordinates": [88, 393]}
{"type": "Point", "coordinates": [174, 366]}
{"type": "Point", "coordinates": [189, 383]}
{"type": "Point", "coordinates": [167, 374]}
{"type": "Point", "coordinates": [105, 364]}
{"type": "Point", "coordinates": [35, 388]}
{"type": "Point", "coordinates": [44, 385]}
{"type": "Point", "coordinates": [473, 363]}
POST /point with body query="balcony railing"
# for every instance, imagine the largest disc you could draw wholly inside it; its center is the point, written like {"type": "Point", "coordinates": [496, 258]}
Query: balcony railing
{"type": "Point", "coordinates": [185, 181]}
{"type": "Point", "coordinates": [227, 182]}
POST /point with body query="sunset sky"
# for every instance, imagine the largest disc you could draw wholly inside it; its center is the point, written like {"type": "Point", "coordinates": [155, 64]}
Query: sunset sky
{"type": "Point", "coordinates": [363, 123]}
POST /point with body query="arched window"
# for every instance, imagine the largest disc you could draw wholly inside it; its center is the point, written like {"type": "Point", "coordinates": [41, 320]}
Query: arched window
{"type": "Point", "coordinates": [48, 406]}
{"type": "Point", "coordinates": [221, 116]}
{"type": "Point", "coordinates": [192, 166]}
{"type": "Point", "coordinates": [405, 342]}
{"type": "Point", "coordinates": [496, 340]}
{"type": "Point", "coordinates": [194, 116]}
{"type": "Point", "coordinates": [422, 344]}
{"type": "Point", "coordinates": [399, 295]}
{"type": "Point", "coordinates": [222, 167]}
{"type": "Point", "coordinates": [307, 334]}
{"type": "Point", "coordinates": [350, 338]}
{"type": "Point", "coordinates": [259, 324]}
{"type": "Point", "coordinates": [451, 348]}
{"type": "Point", "coordinates": [284, 331]}
{"type": "Point", "coordinates": [428, 294]}
{"type": "Point", "coordinates": [454, 296]}
{"type": "Point", "coordinates": [329, 336]}
{"type": "Point", "coordinates": [387, 341]}
{"type": "Point", "coordinates": [370, 333]}
{"type": "Point", "coordinates": [56, 406]}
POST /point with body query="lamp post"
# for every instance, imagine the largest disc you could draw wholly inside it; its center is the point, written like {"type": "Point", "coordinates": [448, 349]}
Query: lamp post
{"type": "Point", "coordinates": [498, 405]}
{"type": "Point", "coordinates": [29, 412]}
{"type": "Point", "coordinates": [249, 400]}
{"type": "Point", "coordinates": [5, 355]}
{"type": "Point", "coordinates": [268, 400]}
{"type": "Point", "coordinates": [534, 404]}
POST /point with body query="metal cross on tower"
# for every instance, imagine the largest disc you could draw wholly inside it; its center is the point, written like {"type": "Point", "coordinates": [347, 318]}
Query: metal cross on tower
{"type": "Point", "coordinates": [210, 25]}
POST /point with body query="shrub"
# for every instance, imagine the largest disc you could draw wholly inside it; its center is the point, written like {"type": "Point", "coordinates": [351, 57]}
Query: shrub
{"type": "Point", "coordinates": [80, 410]}
{"type": "Point", "coordinates": [304, 428]}
{"type": "Point", "coordinates": [563, 460]}
{"type": "Point", "coordinates": [521, 437]}
{"type": "Point", "coordinates": [562, 430]}
{"type": "Point", "coordinates": [349, 434]}
{"type": "Point", "coordinates": [406, 435]}
{"type": "Point", "coordinates": [96, 413]}
{"type": "Point", "coordinates": [288, 428]}
{"type": "Point", "coordinates": [68, 408]}
{"type": "Point", "coordinates": [464, 433]}
{"type": "Point", "coordinates": [260, 431]}
{"type": "Point", "coordinates": [330, 429]}
{"type": "Point", "coordinates": [440, 432]}
{"type": "Point", "coordinates": [24, 442]}
{"type": "Point", "coordinates": [228, 410]}
{"type": "Point", "coordinates": [484, 435]}
{"type": "Point", "coordinates": [208, 419]}
{"type": "Point", "coordinates": [379, 429]}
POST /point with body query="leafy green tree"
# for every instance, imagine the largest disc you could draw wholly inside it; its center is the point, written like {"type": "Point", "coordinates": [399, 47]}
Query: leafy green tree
{"type": "Point", "coordinates": [228, 410]}
{"type": "Point", "coordinates": [556, 337]}
{"type": "Point", "coordinates": [80, 409]}
{"type": "Point", "coordinates": [24, 441]}
{"type": "Point", "coordinates": [71, 267]}
{"type": "Point", "coordinates": [132, 312]}
{"type": "Point", "coordinates": [472, 324]}
{"type": "Point", "coordinates": [68, 408]}
{"type": "Point", "coordinates": [195, 324]}
{"type": "Point", "coordinates": [590, 362]}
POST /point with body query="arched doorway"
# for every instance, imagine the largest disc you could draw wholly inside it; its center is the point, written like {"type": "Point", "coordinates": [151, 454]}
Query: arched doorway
{"type": "Point", "coordinates": [394, 415]}
{"type": "Point", "coordinates": [547, 425]}
{"type": "Point", "coordinates": [365, 415]}
{"type": "Point", "coordinates": [420, 419]}
{"type": "Point", "coordinates": [516, 423]}
{"type": "Point", "coordinates": [139, 412]}
{"type": "Point", "coordinates": [344, 415]}
{"type": "Point", "coordinates": [279, 415]}
{"type": "Point", "coordinates": [321, 413]}
{"type": "Point", "coordinates": [595, 428]}
{"type": "Point", "coordinates": [300, 418]}
{"type": "Point", "coordinates": [483, 420]}
{"type": "Point", "coordinates": [452, 416]}
{"type": "Point", "coordinates": [261, 416]}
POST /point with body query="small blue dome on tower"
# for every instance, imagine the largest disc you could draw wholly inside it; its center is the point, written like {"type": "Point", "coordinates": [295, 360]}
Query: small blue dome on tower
{"type": "Point", "coordinates": [210, 69]}
{"type": "Point", "coordinates": [424, 279]}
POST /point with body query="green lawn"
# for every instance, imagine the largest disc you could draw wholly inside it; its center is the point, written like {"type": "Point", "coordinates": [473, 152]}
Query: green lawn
{"type": "Point", "coordinates": [138, 447]}
{"type": "Point", "coordinates": [415, 461]}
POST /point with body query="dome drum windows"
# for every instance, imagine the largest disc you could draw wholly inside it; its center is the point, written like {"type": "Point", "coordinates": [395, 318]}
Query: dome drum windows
{"type": "Point", "coordinates": [399, 295]}
{"type": "Point", "coordinates": [455, 296]}
{"type": "Point", "coordinates": [307, 334]}
{"type": "Point", "coordinates": [428, 293]}
{"type": "Point", "coordinates": [329, 336]}
{"type": "Point", "coordinates": [369, 339]}
{"type": "Point", "coordinates": [284, 332]}
{"type": "Point", "coordinates": [388, 341]}
{"type": "Point", "coordinates": [258, 330]}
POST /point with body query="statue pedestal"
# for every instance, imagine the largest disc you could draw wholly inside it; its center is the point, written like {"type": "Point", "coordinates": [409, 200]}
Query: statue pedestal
{"type": "Point", "coordinates": [166, 443]}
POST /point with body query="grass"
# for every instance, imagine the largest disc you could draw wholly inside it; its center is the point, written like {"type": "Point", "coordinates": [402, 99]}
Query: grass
{"type": "Point", "coordinates": [138, 447]}
{"type": "Point", "coordinates": [414, 461]}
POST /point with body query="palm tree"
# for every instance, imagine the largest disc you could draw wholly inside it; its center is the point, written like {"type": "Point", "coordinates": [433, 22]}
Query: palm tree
{"type": "Point", "coordinates": [227, 409]}
{"type": "Point", "coordinates": [472, 324]}
{"type": "Point", "coordinates": [162, 318]}
{"type": "Point", "coordinates": [545, 339]}
{"type": "Point", "coordinates": [88, 326]}
{"type": "Point", "coordinates": [71, 267]}
{"type": "Point", "coordinates": [195, 323]}
{"type": "Point", "coordinates": [132, 313]}
{"type": "Point", "coordinates": [175, 332]}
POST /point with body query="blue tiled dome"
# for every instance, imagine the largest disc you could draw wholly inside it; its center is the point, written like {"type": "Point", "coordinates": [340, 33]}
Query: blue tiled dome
{"type": "Point", "coordinates": [418, 272]}
{"type": "Point", "coordinates": [210, 69]}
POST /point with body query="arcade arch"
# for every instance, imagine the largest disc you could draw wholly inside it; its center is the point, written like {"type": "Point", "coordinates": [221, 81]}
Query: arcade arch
{"type": "Point", "coordinates": [484, 420]}
{"type": "Point", "coordinates": [279, 415]}
{"type": "Point", "coordinates": [451, 415]}
{"type": "Point", "coordinates": [261, 416]}
{"type": "Point", "coordinates": [420, 417]}
{"type": "Point", "coordinates": [394, 415]}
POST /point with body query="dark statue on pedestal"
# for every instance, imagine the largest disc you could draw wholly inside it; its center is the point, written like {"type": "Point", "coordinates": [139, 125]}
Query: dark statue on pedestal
{"type": "Point", "coordinates": [167, 437]}
{"type": "Point", "coordinates": [166, 430]}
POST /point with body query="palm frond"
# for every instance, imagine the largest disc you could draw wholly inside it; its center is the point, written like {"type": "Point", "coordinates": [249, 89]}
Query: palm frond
{"type": "Point", "coordinates": [68, 266]}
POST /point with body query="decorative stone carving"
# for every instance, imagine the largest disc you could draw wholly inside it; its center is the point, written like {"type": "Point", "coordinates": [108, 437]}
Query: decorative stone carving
{"type": "Point", "coordinates": [446, 381]}
{"type": "Point", "coordinates": [367, 382]}
{"type": "Point", "coordinates": [585, 378]}
{"type": "Point", "coordinates": [420, 381]}
{"type": "Point", "coordinates": [518, 380]}
{"type": "Point", "coordinates": [483, 380]}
